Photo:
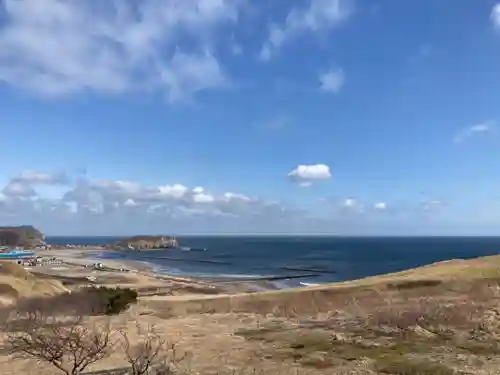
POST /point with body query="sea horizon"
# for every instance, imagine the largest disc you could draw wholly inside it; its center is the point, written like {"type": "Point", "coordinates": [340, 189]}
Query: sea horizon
{"type": "Point", "coordinates": [279, 235]}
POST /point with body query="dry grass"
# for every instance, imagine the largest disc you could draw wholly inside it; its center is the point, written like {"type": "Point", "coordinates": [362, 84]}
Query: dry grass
{"type": "Point", "coordinates": [441, 319]}
{"type": "Point", "coordinates": [397, 330]}
{"type": "Point", "coordinates": [16, 282]}
{"type": "Point", "coordinates": [402, 366]}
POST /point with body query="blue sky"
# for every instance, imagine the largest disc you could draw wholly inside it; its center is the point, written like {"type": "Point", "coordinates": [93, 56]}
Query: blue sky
{"type": "Point", "coordinates": [238, 116]}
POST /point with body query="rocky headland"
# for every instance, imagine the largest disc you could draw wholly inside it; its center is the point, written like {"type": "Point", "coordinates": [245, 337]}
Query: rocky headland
{"type": "Point", "coordinates": [22, 236]}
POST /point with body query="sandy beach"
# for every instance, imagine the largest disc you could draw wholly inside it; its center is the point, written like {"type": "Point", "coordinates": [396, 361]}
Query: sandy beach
{"type": "Point", "coordinates": [77, 266]}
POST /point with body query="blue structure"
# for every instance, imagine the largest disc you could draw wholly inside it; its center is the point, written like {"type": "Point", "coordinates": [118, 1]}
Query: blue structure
{"type": "Point", "coordinates": [16, 254]}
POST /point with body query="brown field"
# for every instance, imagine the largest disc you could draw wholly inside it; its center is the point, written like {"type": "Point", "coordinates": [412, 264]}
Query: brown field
{"type": "Point", "coordinates": [435, 320]}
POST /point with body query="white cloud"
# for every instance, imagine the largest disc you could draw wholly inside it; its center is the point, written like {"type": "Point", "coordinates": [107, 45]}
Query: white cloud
{"type": "Point", "coordinates": [198, 190]}
{"type": "Point", "coordinates": [116, 187]}
{"type": "Point", "coordinates": [350, 206]}
{"type": "Point", "coordinates": [305, 175]}
{"type": "Point", "coordinates": [495, 16]}
{"type": "Point", "coordinates": [320, 15]}
{"type": "Point", "coordinates": [189, 74]}
{"type": "Point", "coordinates": [350, 203]}
{"type": "Point", "coordinates": [106, 196]}
{"type": "Point", "coordinates": [57, 47]}
{"type": "Point", "coordinates": [332, 81]}
{"type": "Point", "coordinates": [235, 196]}
{"type": "Point", "coordinates": [176, 191]}
{"type": "Point", "coordinates": [203, 198]}
{"type": "Point", "coordinates": [114, 207]}
{"type": "Point", "coordinates": [473, 130]}
{"type": "Point", "coordinates": [32, 177]}
{"type": "Point", "coordinates": [19, 190]}
{"type": "Point", "coordinates": [129, 203]}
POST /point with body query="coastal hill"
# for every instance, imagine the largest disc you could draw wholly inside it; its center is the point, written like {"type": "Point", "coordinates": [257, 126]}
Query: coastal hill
{"type": "Point", "coordinates": [439, 319]}
{"type": "Point", "coordinates": [146, 243]}
{"type": "Point", "coordinates": [24, 236]}
{"type": "Point", "coordinates": [441, 275]}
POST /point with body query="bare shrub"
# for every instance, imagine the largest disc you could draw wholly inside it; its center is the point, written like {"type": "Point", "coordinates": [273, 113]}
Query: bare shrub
{"type": "Point", "coordinates": [62, 342]}
{"type": "Point", "coordinates": [149, 353]}
{"type": "Point", "coordinates": [414, 284]}
{"type": "Point", "coordinates": [429, 313]}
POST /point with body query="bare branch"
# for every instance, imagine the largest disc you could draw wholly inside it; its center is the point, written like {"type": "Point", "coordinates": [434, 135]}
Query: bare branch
{"type": "Point", "coordinates": [149, 353]}
{"type": "Point", "coordinates": [63, 342]}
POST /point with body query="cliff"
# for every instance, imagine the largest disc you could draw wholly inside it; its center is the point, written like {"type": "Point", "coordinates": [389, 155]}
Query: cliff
{"type": "Point", "coordinates": [23, 236]}
{"type": "Point", "coordinates": [146, 242]}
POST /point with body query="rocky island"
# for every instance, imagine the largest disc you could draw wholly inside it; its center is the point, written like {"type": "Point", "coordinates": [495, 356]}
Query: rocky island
{"type": "Point", "coordinates": [25, 236]}
{"type": "Point", "coordinates": [146, 243]}
{"type": "Point", "coordinates": [28, 237]}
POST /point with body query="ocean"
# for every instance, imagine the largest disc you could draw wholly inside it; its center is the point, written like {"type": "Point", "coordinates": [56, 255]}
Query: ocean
{"type": "Point", "coordinates": [328, 258]}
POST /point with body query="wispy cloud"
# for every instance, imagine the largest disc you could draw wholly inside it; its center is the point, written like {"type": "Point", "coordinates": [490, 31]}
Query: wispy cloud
{"type": "Point", "coordinates": [495, 16]}
{"type": "Point", "coordinates": [32, 177]}
{"type": "Point", "coordinates": [482, 128]}
{"type": "Point", "coordinates": [320, 15]}
{"type": "Point", "coordinates": [332, 80]}
{"type": "Point", "coordinates": [56, 47]}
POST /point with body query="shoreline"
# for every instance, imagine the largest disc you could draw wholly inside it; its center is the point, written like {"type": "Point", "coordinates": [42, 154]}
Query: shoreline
{"type": "Point", "coordinates": [275, 281]}
{"type": "Point", "coordinates": [78, 263]}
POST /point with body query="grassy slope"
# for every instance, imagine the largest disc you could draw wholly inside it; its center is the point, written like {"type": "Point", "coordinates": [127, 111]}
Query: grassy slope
{"type": "Point", "coordinates": [316, 297]}
{"type": "Point", "coordinates": [16, 282]}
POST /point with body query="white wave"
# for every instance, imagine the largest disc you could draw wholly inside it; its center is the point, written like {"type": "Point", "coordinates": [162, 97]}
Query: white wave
{"type": "Point", "coordinates": [237, 276]}
{"type": "Point", "coordinates": [309, 284]}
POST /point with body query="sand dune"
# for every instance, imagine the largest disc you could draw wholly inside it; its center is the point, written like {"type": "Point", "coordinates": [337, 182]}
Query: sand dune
{"type": "Point", "coordinates": [16, 282]}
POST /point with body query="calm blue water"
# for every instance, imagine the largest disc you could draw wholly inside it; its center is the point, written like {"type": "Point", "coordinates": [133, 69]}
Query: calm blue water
{"type": "Point", "coordinates": [340, 258]}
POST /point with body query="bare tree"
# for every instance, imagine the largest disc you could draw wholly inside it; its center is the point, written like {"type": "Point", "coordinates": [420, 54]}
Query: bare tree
{"type": "Point", "coordinates": [149, 353]}
{"type": "Point", "coordinates": [65, 343]}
